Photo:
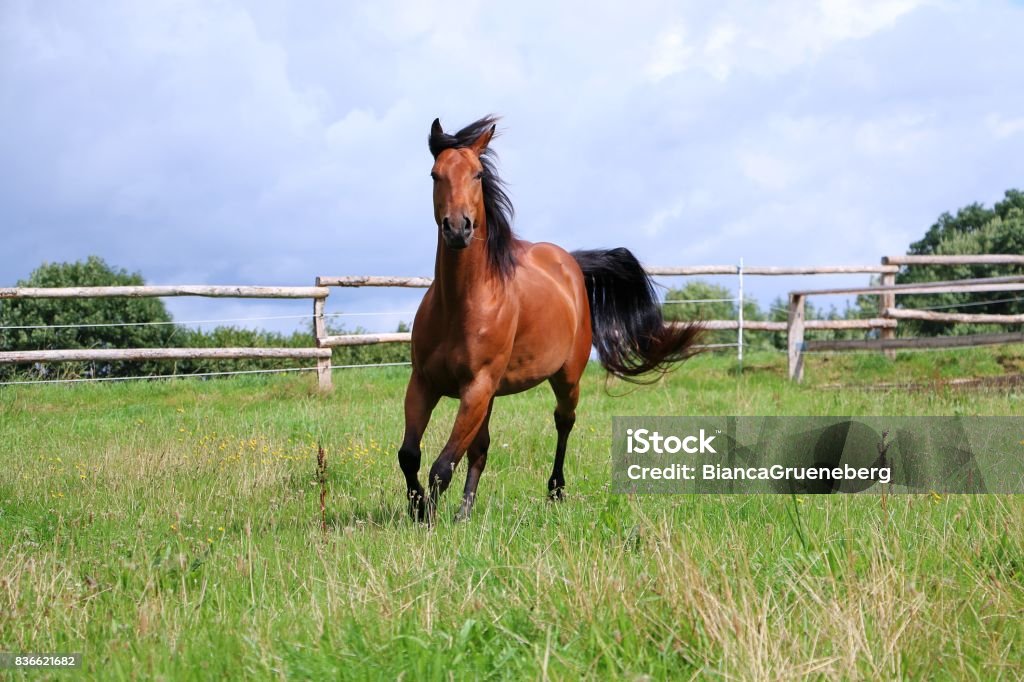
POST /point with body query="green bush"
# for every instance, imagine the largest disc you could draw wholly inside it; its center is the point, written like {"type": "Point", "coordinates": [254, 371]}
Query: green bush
{"type": "Point", "coordinates": [78, 315]}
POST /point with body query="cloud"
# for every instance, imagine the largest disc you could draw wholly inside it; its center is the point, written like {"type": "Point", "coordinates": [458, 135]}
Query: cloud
{"type": "Point", "coordinates": [768, 38]}
{"type": "Point", "coordinates": [767, 171]}
{"type": "Point", "coordinates": [237, 142]}
{"type": "Point", "coordinates": [1003, 127]}
{"type": "Point", "coordinates": [670, 54]}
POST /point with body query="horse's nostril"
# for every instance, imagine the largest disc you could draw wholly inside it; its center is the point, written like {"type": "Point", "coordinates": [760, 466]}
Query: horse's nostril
{"type": "Point", "coordinates": [446, 224]}
{"type": "Point", "coordinates": [468, 226]}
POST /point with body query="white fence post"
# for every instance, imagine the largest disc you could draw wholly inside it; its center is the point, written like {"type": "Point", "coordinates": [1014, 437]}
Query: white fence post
{"type": "Point", "coordinates": [795, 337]}
{"type": "Point", "coordinates": [739, 327]}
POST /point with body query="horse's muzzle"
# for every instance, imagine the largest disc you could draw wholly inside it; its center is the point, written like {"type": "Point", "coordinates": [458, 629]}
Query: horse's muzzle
{"type": "Point", "coordinates": [457, 237]}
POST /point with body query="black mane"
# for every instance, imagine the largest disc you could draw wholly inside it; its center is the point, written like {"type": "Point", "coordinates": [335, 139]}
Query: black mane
{"type": "Point", "coordinates": [497, 205]}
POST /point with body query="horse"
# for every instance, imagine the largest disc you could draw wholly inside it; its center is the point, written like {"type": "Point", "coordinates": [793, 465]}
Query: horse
{"type": "Point", "coordinates": [503, 315]}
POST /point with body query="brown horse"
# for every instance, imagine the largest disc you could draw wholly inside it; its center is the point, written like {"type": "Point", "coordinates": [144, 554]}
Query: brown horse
{"type": "Point", "coordinates": [503, 315]}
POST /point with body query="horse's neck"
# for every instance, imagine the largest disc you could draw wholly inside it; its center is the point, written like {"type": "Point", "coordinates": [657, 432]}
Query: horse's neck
{"type": "Point", "coordinates": [463, 277]}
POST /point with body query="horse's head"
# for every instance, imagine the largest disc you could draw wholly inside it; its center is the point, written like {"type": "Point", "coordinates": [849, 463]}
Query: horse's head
{"type": "Point", "coordinates": [459, 174]}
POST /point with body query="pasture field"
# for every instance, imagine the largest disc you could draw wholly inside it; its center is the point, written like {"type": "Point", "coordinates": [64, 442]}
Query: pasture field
{"type": "Point", "coordinates": [173, 530]}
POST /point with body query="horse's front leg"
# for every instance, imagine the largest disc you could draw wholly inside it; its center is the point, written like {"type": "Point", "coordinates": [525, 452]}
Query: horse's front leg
{"type": "Point", "coordinates": [420, 401]}
{"type": "Point", "coordinates": [477, 461]}
{"type": "Point", "coordinates": [474, 405]}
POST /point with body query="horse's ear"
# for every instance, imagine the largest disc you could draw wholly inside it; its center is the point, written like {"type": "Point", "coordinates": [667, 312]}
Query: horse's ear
{"type": "Point", "coordinates": [481, 142]}
{"type": "Point", "coordinates": [436, 137]}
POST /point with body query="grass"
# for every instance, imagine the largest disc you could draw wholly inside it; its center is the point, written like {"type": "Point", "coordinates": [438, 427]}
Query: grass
{"type": "Point", "coordinates": [174, 530]}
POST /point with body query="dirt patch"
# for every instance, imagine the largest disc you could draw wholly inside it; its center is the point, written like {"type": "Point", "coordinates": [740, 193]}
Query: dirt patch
{"type": "Point", "coordinates": [1010, 363]}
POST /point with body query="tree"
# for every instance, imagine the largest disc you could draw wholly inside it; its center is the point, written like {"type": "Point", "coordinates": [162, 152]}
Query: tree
{"type": "Point", "coordinates": [42, 323]}
{"type": "Point", "coordinates": [973, 230]}
{"type": "Point", "coordinates": [968, 220]}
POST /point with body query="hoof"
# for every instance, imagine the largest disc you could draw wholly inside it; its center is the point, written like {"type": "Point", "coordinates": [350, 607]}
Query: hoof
{"type": "Point", "coordinates": [555, 489]}
{"type": "Point", "coordinates": [464, 514]}
{"type": "Point", "coordinates": [466, 508]}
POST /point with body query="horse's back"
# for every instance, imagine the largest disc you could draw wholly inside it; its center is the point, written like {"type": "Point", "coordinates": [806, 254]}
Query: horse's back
{"type": "Point", "coordinates": [548, 275]}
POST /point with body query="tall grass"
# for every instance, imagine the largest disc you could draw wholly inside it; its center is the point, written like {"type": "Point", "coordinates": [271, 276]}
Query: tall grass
{"type": "Point", "coordinates": [175, 529]}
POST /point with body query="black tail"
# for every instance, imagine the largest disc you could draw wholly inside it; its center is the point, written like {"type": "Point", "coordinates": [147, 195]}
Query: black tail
{"type": "Point", "coordinates": [630, 334]}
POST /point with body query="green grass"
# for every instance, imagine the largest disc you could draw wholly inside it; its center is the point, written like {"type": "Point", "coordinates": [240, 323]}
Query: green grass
{"type": "Point", "coordinates": [173, 530]}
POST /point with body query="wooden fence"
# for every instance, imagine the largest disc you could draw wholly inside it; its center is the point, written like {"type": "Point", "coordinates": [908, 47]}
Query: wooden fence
{"type": "Point", "coordinates": [887, 292]}
{"type": "Point", "coordinates": [795, 326]}
{"type": "Point", "coordinates": [318, 294]}
{"type": "Point", "coordinates": [685, 271]}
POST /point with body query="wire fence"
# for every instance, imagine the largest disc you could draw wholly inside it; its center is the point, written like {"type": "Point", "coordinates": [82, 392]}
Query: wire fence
{"type": "Point", "coordinates": [197, 374]}
{"type": "Point", "coordinates": [679, 301]}
{"type": "Point", "coordinates": [261, 318]}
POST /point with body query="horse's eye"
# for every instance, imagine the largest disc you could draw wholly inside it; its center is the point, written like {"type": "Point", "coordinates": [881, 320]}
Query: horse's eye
{"type": "Point", "coordinates": [479, 176]}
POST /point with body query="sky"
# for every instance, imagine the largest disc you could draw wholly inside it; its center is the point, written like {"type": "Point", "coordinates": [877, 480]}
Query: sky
{"type": "Point", "coordinates": [268, 142]}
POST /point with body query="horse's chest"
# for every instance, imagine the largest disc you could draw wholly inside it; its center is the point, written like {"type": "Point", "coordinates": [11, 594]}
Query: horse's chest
{"type": "Point", "coordinates": [516, 353]}
{"type": "Point", "coordinates": [449, 364]}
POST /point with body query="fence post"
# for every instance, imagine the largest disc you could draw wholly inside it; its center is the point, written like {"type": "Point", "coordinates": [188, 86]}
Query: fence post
{"type": "Point", "coordinates": [886, 300]}
{"type": "Point", "coordinates": [323, 365]}
{"type": "Point", "coordinates": [739, 326]}
{"type": "Point", "coordinates": [795, 337]}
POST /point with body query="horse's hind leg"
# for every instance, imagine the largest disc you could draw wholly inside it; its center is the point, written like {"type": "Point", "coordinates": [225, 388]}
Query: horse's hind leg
{"type": "Point", "coordinates": [567, 393]}
{"type": "Point", "coordinates": [420, 401]}
{"type": "Point", "coordinates": [477, 461]}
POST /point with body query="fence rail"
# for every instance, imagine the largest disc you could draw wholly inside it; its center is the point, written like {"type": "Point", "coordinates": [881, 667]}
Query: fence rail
{"type": "Point", "coordinates": [979, 259]}
{"type": "Point", "coordinates": [374, 281]}
{"type": "Point", "coordinates": [965, 341]}
{"type": "Point", "coordinates": [772, 326]}
{"type": "Point", "coordinates": [161, 291]}
{"type": "Point", "coordinates": [985, 284]}
{"type": "Point", "coordinates": [770, 270]}
{"type": "Point", "coordinates": [136, 354]}
{"type": "Point", "coordinates": [362, 339]}
{"type": "Point", "coordinates": [958, 318]}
